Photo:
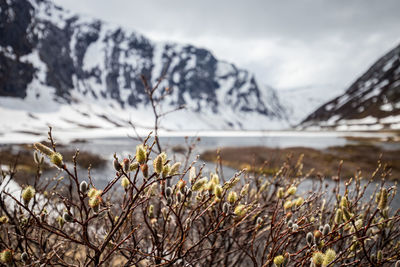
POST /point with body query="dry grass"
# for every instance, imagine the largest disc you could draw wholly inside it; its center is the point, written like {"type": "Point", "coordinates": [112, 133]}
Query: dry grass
{"type": "Point", "coordinates": [27, 168]}
{"type": "Point", "coordinates": [355, 157]}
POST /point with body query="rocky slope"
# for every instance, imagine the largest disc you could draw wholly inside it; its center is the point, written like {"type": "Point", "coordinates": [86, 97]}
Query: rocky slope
{"type": "Point", "coordinates": [371, 103]}
{"type": "Point", "coordinates": [76, 72]}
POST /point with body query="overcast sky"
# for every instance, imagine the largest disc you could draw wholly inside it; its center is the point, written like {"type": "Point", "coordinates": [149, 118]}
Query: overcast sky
{"type": "Point", "coordinates": [288, 44]}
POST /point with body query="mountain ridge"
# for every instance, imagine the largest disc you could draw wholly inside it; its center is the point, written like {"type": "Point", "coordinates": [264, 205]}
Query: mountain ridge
{"type": "Point", "coordinates": [51, 57]}
{"type": "Point", "coordinates": [372, 102]}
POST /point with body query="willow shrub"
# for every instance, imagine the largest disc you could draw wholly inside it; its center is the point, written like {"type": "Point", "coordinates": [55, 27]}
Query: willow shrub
{"type": "Point", "coordinates": [156, 212]}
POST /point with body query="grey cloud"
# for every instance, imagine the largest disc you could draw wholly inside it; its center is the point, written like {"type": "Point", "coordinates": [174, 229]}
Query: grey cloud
{"type": "Point", "coordinates": [313, 41]}
{"type": "Point", "coordinates": [301, 19]}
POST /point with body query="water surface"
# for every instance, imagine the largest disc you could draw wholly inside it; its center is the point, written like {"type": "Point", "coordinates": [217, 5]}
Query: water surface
{"type": "Point", "coordinates": [106, 147]}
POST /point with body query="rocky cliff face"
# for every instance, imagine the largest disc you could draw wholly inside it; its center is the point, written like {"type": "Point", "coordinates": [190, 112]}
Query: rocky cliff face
{"type": "Point", "coordinates": [15, 41]}
{"type": "Point", "coordinates": [372, 102]}
{"type": "Point", "coordinates": [48, 54]}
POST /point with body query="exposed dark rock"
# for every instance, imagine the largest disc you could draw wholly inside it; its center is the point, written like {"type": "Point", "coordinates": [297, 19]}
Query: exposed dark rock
{"type": "Point", "coordinates": [14, 76]}
{"type": "Point", "coordinates": [90, 58]}
{"type": "Point", "coordinates": [16, 26]}
{"type": "Point", "coordinates": [378, 86]}
{"type": "Point", "coordinates": [16, 40]}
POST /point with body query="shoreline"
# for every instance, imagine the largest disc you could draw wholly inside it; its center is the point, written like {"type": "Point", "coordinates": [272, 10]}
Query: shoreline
{"type": "Point", "coordinates": [68, 135]}
{"type": "Point", "coordinates": [325, 162]}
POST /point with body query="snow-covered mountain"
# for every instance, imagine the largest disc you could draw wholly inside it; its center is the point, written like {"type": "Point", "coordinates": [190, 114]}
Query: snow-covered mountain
{"type": "Point", "coordinates": [299, 102]}
{"type": "Point", "coordinates": [371, 103]}
{"type": "Point", "coordinates": [72, 71]}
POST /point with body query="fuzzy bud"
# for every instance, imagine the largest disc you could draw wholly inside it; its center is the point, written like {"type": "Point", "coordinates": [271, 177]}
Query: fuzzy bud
{"type": "Point", "coordinates": [181, 185]}
{"type": "Point", "coordinates": [290, 224]}
{"type": "Point", "coordinates": [3, 219]}
{"type": "Point", "coordinates": [166, 170]}
{"type": "Point", "coordinates": [168, 192]}
{"type": "Point", "coordinates": [209, 187]}
{"type": "Point", "coordinates": [338, 216]}
{"type": "Point", "coordinates": [240, 210]}
{"type": "Point", "coordinates": [373, 258]}
{"type": "Point", "coordinates": [145, 170]}
{"type": "Point", "coordinates": [94, 192]}
{"type": "Point", "coordinates": [232, 197]}
{"type": "Point", "coordinates": [379, 256]}
{"type": "Point", "coordinates": [317, 236]}
{"type": "Point", "coordinates": [67, 217]}
{"type": "Point", "coordinates": [95, 201]}
{"type": "Point", "coordinates": [179, 196]}
{"type": "Point", "coordinates": [383, 199]}
{"type": "Point", "coordinates": [280, 193]}
{"type": "Point", "coordinates": [192, 174]}
{"type": "Point", "coordinates": [83, 187]}
{"type": "Point", "coordinates": [125, 182]}
{"type": "Point", "coordinates": [152, 190]}
{"type": "Point", "coordinates": [218, 191]}
{"type": "Point", "coordinates": [327, 229]}
{"type": "Point", "coordinates": [310, 239]}
{"type": "Point", "coordinates": [301, 221]}
{"type": "Point", "coordinates": [288, 204]}
{"type": "Point", "coordinates": [169, 201]}
{"type": "Point", "coordinates": [43, 216]}
{"type": "Point", "coordinates": [175, 168]}
{"type": "Point", "coordinates": [141, 154]}
{"type": "Point", "coordinates": [6, 256]}
{"type": "Point", "coordinates": [343, 202]}
{"type": "Point", "coordinates": [37, 158]}
{"type": "Point", "coordinates": [43, 149]}
{"type": "Point", "coordinates": [163, 156]}
{"type": "Point", "coordinates": [329, 256]}
{"type": "Point", "coordinates": [215, 178]}
{"type": "Point", "coordinates": [292, 190]}
{"type": "Point", "coordinates": [289, 215]}
{"type": "Point", "coordinates": [244, 190]}
{"type": "Point", "coordinates": [346, 214]}
{"type": "Point", "coordinates": [57, 159]}
{"type": "Point", "coordinates": [27, 194]}
{"type": "Point", "coordinates": [126, 165]}
{"type": "Point", "coordinates": [189, 193]}
{"type": "Point", "coordinates": [164, 212]}
{"type": "Point", "coordinates": [24, 257]}
{"type": "Point", "coordinates": [151, 211]}
{"type": "Point", "coordinates": [295, 227]}
{"type": "Point", "coordinates": [158, 164]}
{"type": "Point", "coordinates": [231, 183]}
{"type": "Point", "coordinates": [60, 221]}
{"type": "Point", "coordinates": [117, 165]}
{"type": "Point", "coordinates": [299, 201]}
{"type": "Point", "coordinates": [397, 264]}
{"type": "Point", "coordinates": [133, 166]}
{"type": "Point", "coordinates": [225, 208]}
{"type": "Point", "coordinates": [199, 184]}
{"type": "Point", "coordinates": [278, 260]}
{"type": "Point", "coordinates": [259, 221]}
{"type": "Point", "coordinates": [318, 258]}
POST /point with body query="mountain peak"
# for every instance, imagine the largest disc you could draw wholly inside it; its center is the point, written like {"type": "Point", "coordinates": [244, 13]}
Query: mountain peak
{"type": "Point", "coordinates": [52, 55]}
